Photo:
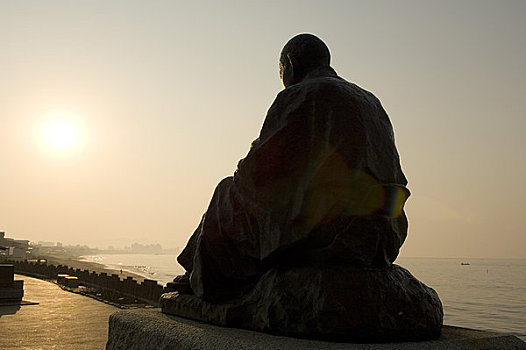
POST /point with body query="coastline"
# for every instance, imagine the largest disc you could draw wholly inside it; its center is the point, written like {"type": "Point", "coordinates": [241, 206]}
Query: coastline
{"type": "Point", "coordinates": [468, 292]}
{"type": "Point", "coordinates": [159, 267]}
{"type": "Point", "coordinates": [76, 262]}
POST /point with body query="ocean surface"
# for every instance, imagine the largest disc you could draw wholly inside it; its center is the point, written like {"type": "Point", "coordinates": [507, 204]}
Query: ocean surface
{"type": "Point", "coordinates": [160, 267]}
{"type": "Point", "coordinates": [487, 294]}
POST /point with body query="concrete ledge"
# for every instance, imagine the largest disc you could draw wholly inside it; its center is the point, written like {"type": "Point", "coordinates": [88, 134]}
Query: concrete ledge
{"type": "Point", "coordinates": [151, 329]}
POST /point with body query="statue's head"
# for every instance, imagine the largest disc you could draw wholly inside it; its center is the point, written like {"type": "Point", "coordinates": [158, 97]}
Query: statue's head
{"type": "Point", "coordinates": [301, 55]}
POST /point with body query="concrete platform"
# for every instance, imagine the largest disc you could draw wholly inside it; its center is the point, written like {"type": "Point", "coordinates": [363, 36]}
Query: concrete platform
{"type": "Point", "coordinates": [60, 320]}
{"type": "Point", "coordinates": [151, 329]}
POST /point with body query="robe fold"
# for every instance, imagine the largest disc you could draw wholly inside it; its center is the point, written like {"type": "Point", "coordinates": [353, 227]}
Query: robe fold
{"type": "Point", "coordinates": [322, 184]}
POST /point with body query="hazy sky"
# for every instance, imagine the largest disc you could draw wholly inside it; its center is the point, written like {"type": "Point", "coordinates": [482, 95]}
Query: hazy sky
{"type": "Point", "coordinates": [160, 99]}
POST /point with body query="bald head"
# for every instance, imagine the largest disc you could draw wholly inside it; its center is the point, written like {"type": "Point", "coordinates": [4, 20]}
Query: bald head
{"type": "Point", "coordinates": [301, 55]}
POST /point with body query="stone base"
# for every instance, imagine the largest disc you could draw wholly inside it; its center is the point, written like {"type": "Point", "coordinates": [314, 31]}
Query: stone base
{"type": "Point", "coordinates": [336, 303]}
{"type": "Point", "coordinates": [151, 329]}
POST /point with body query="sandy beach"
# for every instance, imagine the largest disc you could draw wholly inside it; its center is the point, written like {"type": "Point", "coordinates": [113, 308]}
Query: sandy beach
{"type": "Point", "coordinates": [74, 262]}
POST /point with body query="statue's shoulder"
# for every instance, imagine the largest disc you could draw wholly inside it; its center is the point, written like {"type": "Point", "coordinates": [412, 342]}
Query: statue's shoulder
{"type": "Point", "coordinates": [333, 88]}
{"type": "Point", "coordinates": [318, 85]}
{"type": "Point", "coordinates": [328, 93]}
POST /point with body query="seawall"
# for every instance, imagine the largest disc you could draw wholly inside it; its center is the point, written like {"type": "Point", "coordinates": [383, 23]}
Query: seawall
{"type": "Point", "coordinates": [148, 291]}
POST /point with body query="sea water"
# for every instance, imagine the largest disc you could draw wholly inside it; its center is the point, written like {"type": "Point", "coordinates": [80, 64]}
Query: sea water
{"type": "Point", "coordinates": [487, 294]}
{"type": "Point", "coordinates": [160, 267]}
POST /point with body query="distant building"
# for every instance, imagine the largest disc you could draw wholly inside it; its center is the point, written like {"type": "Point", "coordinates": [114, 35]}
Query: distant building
{"type": "Point", "coordinates": [16, 248]}
{"type": "Point", "coordinates": [137, 248]}
{"type": "Point", "coordinates": [17, 252]}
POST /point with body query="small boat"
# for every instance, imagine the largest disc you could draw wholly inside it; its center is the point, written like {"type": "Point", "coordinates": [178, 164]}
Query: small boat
{"type": "Point", "coordinates": [464, 263]}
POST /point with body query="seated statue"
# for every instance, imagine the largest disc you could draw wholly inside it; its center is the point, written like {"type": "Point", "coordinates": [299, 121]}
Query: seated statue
{"type": "Point", "coordinates": [302, 238]}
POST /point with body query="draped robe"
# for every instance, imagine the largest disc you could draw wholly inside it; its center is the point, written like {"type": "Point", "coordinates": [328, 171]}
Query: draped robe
{"type": "Point", "coordinates": [322, 184]}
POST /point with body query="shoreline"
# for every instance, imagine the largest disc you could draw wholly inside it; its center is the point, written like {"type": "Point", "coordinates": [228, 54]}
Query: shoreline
{"type": "Point", "coordinates": [160, 267]}
{"type": "Point", "coordinates": [75, 263]}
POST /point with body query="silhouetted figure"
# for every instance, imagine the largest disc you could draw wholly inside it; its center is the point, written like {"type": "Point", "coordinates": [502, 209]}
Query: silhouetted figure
{"type": "Point", "coordinates": [322, 186]}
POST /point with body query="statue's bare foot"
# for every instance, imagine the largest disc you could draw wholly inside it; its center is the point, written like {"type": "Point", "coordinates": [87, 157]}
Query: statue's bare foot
{"type": "Point", "coordinates": [181, 284]}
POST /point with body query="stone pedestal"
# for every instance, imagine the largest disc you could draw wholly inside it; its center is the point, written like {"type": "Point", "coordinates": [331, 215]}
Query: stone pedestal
{"type": "Point", "coordinates": [11, 291]}
{"type": "Point", "coordinates": [146, 329]}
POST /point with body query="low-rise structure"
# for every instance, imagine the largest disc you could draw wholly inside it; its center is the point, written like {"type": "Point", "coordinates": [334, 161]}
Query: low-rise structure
{"type": "Point", "coordinates": [15, 248]}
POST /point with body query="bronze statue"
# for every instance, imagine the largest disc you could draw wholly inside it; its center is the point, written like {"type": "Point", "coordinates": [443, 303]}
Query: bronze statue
{"type": "Point", "coordinates": [316, 205]}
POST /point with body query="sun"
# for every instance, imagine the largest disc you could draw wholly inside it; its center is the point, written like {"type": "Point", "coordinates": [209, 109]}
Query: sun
{"type": "Point", "coordinates": [61, 133]}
